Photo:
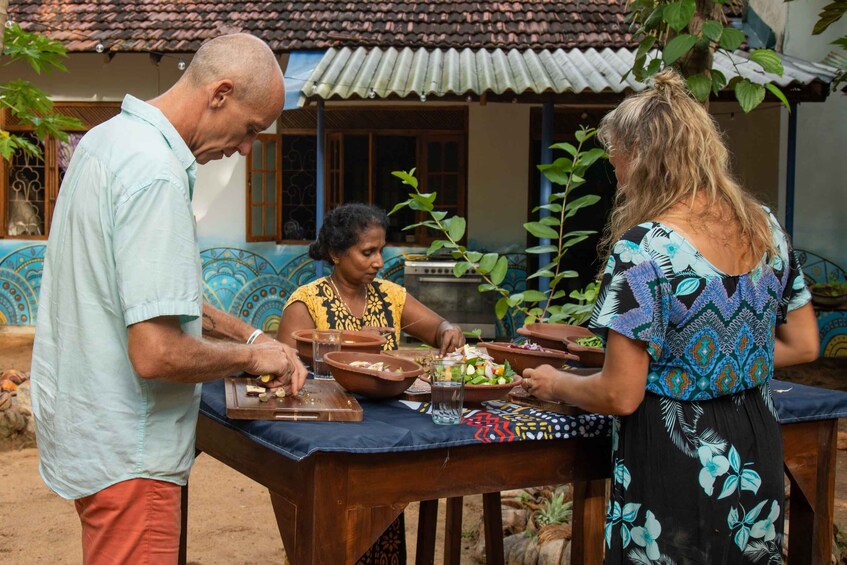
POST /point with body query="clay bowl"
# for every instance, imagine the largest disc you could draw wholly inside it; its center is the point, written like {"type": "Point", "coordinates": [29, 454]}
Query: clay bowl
{"type": "Point", "coordinates": [824, 298]}
{"type": "Point", "coordinates": [351, 340]}
{"type": "Point", "coordinates": [520, 359]}
{"type": "Point", "coordinates": [588, 356]}
{"type": "Point", "coordinates": [552, 336]}
{"type": "Point", "coordinates": [371, 383]}
{"type": "Point", "coordinates": [477, 394]}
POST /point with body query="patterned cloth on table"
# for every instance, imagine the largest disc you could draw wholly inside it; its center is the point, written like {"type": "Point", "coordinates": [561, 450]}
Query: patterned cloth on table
{"type": "Point", "coordinates": [697, 469]}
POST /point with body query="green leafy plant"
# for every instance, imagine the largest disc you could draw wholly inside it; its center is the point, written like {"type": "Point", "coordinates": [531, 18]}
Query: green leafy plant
{"type": "Point", "coordinates": [555, 511]}
{"type": "Point", "coordinates": [686, 34]}
{"type": "Point", "coordinates": [29, 104]}
{"type": "Point", "coordinates": [568, 172]}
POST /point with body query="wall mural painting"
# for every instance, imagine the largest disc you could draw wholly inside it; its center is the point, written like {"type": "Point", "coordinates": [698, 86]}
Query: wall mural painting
{"type": "Point", "coordinates": [20, 280]}
{"type": "Point", "coordinates": [832, 324]}
{"type": "Point", "coordinates": [251, 282]}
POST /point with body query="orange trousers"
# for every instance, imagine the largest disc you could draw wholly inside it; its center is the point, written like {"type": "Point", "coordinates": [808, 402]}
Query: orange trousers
{"type": "Point", "coordinates": [132, 522]}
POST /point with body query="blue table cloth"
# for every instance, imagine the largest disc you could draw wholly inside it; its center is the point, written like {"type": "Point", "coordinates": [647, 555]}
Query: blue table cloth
{"type": "Point", "coordinates": [393, 425]}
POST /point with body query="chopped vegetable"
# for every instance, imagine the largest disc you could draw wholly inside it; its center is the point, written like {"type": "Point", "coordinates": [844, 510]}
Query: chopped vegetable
{"type": "Point", "coordinates": [480, 369]}
{"type": "Point", "coordinates": [591, 341]}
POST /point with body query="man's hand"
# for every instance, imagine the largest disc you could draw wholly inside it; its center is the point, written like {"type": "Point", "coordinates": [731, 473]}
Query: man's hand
{"type": "Point", "coordinates": [280, 362]}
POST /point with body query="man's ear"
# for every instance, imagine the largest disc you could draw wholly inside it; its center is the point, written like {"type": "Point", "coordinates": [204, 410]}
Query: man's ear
{"type": "Point", "coordinates": [222, 90]}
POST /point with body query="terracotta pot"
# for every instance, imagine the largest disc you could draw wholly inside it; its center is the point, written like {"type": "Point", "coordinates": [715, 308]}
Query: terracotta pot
{"type": "Point", "coordinates": [588, 356]}
{"type": "Point", "coordinates": [371, 383]}
{"type": "Point", "coordinates": [552, 336]}
{"type": "Point", "coordinates": [351, 340]}
{"type": "Point", "coordinates": [520, 359]}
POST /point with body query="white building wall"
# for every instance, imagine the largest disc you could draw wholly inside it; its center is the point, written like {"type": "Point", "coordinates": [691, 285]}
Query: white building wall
{"type": "Point", "coordinates": [498, 150]}
{"type": "Point", "coordinates": [820, 203]}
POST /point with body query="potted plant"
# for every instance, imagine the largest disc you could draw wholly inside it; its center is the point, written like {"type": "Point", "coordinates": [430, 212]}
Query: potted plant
{"type": "Point", "coordinates": [538, 307]}
{"type": "Point", "coordinates": [831, 294]}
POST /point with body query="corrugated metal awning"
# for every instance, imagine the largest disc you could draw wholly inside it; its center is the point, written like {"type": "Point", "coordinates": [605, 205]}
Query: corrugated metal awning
{"type": "Point", "coordinates": [365, 73]}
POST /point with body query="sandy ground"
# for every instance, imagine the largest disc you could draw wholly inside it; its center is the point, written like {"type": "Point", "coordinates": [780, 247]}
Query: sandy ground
{"type": "Point", "coordinates": [40, 527]}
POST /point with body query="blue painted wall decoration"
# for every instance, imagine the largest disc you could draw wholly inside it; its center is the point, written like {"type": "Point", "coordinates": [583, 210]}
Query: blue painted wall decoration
{"type": "Point", "coordinates": [832, 324]}
{"type": "Point", "coordinates": [250, 281]}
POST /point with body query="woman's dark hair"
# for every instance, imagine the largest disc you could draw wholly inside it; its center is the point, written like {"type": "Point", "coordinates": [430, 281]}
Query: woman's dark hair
{"type": "Point", "coordinates": [343, 226]}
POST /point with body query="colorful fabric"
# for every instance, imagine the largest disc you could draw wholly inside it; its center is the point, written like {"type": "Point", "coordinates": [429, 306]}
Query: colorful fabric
{"type": "Point", "coordinates": [122, 250]}
{"type": "Point", "coordinates": [697, 469]}
{"type": "Point", "coordinates": [384, 307]}
{"type": "Point", "coordinates": [708, 334]}
{"type": "Point", "coordinates": [697, 482]}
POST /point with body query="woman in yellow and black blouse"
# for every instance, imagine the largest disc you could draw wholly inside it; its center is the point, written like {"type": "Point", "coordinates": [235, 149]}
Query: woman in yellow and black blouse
{"type": "Point", "coordinates": [351, 297]}
{"type": "Point", "coordinates": [352, 238]}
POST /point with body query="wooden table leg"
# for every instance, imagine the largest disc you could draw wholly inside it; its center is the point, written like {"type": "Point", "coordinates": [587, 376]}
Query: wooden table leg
{"type": "Point", "coordinates": [453, 531]}
{"type": "Point", "coordinates": [427, 523]}
{"type": "Point", "coordinates": [492, 517]}
{"type": "Point", "coordinates": [589, 516]}
{"type": "Point", "coordinates": [810, 464]}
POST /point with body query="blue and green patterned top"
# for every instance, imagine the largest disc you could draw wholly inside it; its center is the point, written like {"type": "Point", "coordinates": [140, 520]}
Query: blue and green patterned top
{"type": "Point", "coordinates": [708, 333]}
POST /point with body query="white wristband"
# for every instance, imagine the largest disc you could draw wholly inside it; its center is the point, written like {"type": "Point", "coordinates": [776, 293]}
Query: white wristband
{"type": "Point", "coordinates": [253, 336]}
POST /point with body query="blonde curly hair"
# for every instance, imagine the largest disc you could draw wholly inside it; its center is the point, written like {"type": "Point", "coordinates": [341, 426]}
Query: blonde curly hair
{"type": "Point", "coordinates": [675, 153]}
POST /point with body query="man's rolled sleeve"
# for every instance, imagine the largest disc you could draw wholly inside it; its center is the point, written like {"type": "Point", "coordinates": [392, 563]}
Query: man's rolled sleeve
{"type": "Point", "coordinates": [156, 254]}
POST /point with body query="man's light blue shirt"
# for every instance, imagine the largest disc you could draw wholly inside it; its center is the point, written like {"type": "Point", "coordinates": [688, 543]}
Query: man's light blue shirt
{"type": "Point", "coordinates": [122, 249]}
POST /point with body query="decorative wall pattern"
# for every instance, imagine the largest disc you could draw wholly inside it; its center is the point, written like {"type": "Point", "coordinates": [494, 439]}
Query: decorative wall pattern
{"type": "Point", "coordinates": [832, 324]}
{"type": "Point", "coordinates": [251, 281]}
{"type": "Point", "coordinates": [20, 280]}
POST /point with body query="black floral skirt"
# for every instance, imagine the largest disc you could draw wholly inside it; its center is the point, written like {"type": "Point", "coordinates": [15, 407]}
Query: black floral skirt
{"type": "Point", "coordinates": [390, 548]}
{"type": "Point", "coordinates": [697, 482]}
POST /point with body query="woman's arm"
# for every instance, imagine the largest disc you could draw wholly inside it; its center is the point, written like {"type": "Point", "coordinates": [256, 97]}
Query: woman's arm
{"type": "Point", "coordinates": [423, 323]}
{"type": "Point", "coordinates": [617, 389]}
{"type": "Point", "coordinates": [797, 340]}
{"type": "Point", "coordinates": [295, 317]}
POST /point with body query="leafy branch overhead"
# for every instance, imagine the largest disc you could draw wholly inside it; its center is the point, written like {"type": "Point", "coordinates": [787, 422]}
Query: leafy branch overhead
{"type": "Point", "coordinates": [686, 34]}
{"type": "Point", "coordinates": [567, 171]}
{"type": "Point", "coordinates": [27, 103]}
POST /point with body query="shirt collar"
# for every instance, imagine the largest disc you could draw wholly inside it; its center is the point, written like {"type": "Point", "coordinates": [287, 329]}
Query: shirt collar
{"type": "Point", "coordinates": [155, 117]}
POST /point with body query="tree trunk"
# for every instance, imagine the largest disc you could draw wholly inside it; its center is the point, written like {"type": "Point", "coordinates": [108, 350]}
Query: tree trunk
{"type": "Point", "coordinates": [699, 59]}
{"type": "Point", "coordinates": [4, 16]}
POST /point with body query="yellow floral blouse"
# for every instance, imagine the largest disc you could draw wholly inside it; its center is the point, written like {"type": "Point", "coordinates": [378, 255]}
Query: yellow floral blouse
{"type": "Point", "coordinates": [385, 301]}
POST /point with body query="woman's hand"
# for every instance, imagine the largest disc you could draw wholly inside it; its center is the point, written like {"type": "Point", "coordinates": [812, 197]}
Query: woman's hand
{"type": "Point", "coordinates": [450, 337]}
{"type": "Point", "coordinates": [542, 382]}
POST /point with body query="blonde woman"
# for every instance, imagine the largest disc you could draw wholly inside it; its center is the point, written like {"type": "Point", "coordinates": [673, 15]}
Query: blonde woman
{"type": "Point", "coordinates": [701, 298]}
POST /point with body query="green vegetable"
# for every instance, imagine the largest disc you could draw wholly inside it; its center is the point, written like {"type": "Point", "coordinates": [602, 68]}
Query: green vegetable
{"type": "Point", "coordinates": [592, 341]}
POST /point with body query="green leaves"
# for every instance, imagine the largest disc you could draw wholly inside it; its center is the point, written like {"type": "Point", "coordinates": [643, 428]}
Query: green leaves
{"type": "Point", "coordinates": [568, 172]}
{"type": "Point", "coordinates": [748, 94]}
{"type": "Point", "coordinates": [768, 60]}
{"type": "Point", "coordinates": [731, 38]}
{"type": "Point", "coordinates": [830, 14]}
{"type": "Point", "coordinates": [677, 47]}
{"type": "Point", "coordinates": [712, 30]}
{"type": "Point", "coordinates": [700, 86]}
{"type": "Point", "coordinates": [678, 14]}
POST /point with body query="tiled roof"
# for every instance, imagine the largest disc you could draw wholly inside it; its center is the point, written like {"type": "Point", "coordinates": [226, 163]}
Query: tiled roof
{"type": "Point", "coordinates": [172, 26]}
{"type": "Point", "coordinates": [412, 73]}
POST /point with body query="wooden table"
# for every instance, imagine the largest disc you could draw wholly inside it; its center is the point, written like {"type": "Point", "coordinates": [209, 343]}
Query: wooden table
{"type": "Point", "coordinates": [330, 507]}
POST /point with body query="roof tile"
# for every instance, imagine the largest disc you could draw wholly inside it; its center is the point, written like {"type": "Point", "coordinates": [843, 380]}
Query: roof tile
{"type": "Point", "coordinates": [305, 25]}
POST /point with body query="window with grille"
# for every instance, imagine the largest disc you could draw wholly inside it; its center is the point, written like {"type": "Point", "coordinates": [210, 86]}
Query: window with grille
{"type": "Point", "coordinates": [29, 185]}
{"type": "Point", "coordinates": [362, 148]}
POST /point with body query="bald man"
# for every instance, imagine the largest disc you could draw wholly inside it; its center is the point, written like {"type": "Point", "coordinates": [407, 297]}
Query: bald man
{"type": "Point", "coordinates": [118, 350]}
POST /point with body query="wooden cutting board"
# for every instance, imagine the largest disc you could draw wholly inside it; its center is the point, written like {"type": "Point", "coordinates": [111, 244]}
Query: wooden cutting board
{"type": "Point", "coordinates": [320, 401]}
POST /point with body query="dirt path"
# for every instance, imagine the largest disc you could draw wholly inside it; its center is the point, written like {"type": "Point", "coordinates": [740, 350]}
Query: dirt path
{"type": "Point", "coordinates": [45, 528]}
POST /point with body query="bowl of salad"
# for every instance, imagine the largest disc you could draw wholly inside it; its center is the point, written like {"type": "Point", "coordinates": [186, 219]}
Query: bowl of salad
{"type": "Point", "coordinates": [485, 379]}
{"type": "Point", "coordinates": [527, 355]}
{"type": "Point", "coordinates": [589, 349]}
